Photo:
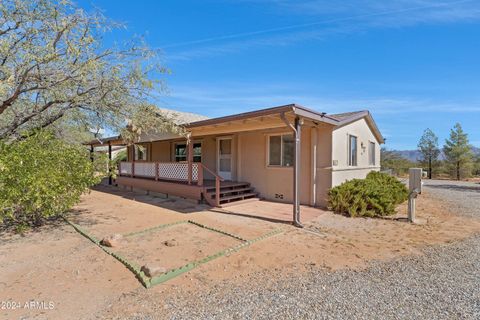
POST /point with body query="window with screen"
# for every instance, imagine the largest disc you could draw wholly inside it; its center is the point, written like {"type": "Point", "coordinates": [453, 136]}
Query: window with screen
{"type": "Point", "coordinates": [281, 150]}
{"type": "Point", "coordinates": [181, 152]}
{"type": "Point", "coordinates": [352, 150]}
{"type": "Point", "coordinates": [371, 153]}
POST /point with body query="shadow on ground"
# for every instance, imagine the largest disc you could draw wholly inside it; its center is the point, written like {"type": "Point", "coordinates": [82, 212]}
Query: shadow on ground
{"type": "Point", "coordinates": [252, 216]}
{"type": "Point", "coordinates": [78, 216]}
{"type": "Point", "coordinates": [172, 203]}
{"type": "Point", "coordinates": [9, 229]}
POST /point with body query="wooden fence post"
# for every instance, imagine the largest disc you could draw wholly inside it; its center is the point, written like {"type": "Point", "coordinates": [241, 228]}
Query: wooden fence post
{"type": "Point", "coordinates": [189, 159]}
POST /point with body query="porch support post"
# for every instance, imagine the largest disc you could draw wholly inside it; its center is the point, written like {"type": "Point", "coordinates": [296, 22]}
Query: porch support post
{"type": "Point", "coordinates": [297, 132]}
{"type": "Point", "coordinates": [109, 163]}
{"type": "Point", "coordinates": [133, 160]}
{"type": "Point", "coordinates": [92, 149]}
{"type": "Point", "coordinates": [200, 175]}
{"type": "Point", "coordinates": [296, 172]}
{"type": "Point", "coordinates": [190, 158]}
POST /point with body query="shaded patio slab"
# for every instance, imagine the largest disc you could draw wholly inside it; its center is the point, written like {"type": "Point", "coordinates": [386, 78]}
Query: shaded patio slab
{"type": "Point", "coordinates": [271, 211]}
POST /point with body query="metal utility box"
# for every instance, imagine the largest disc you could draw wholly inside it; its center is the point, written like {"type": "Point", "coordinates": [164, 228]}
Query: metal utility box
{"type": "Point", "coordinates": [415, 179]}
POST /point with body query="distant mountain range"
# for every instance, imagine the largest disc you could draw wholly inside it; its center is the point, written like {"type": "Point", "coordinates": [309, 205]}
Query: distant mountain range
{"type": "Point", "coordinates": [414, 155]}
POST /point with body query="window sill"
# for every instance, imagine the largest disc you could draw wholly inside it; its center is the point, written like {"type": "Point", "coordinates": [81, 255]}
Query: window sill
{"type": "Point", "coordinates": [279, 167]}
{"type": "Point", "coordinates": [352, 168]}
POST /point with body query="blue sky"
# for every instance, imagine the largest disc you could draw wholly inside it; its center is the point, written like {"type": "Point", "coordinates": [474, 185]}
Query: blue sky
{"type": "Point", "coordinates": [413, 63]}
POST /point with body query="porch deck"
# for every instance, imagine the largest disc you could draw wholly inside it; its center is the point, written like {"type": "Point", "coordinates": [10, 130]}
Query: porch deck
{"type": "Point", "coordinates": [182, 180]}
{"type": "Point", "coordinates": [207, 183]}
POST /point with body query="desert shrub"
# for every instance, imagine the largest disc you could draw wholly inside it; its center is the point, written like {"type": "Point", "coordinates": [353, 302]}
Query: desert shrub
{"type": "Point", "coordinates": [398, 190]}
{"type": "Point", "coordinates": [40, 177]}
{"type": "Point", "coordinates": [376, 195]}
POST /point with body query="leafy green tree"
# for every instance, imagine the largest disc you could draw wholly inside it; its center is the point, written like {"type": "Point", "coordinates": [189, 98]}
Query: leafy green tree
{"type": "Point", "coordinates": [476, 169]}
{"type": "Point", "coordinates": [42, 176]}
{"type": "Point", "coordinates": [428, 146]}
{"type": "Point", "coordinates": [54, 66]}
{"type": "Point", "coordinates": [58, 76]}
{"type": "Point", "coordinates": [458, 152]}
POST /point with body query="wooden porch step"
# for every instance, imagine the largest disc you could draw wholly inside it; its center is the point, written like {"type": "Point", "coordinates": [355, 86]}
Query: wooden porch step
{"type": "Point", "coordinates": [229, 186]}
{"type": "Point", "coordinates": [231, 192]}
{"type": "Point", "coordinates": [242, 196]}
{"type": "Point", "coordinates": [222, 192]}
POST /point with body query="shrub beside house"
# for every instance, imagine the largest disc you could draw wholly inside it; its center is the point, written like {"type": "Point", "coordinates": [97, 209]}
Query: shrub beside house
{"type": "Point", "coordinates": [377, 195]}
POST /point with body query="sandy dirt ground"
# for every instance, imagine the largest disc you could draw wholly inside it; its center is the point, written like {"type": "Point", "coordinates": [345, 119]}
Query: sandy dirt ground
{"type": "Point", "coordinates": [69, 277]}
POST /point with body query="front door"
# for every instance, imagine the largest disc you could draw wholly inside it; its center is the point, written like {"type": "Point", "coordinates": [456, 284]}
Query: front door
{"type": "Point", "coordinates": [224, 158]}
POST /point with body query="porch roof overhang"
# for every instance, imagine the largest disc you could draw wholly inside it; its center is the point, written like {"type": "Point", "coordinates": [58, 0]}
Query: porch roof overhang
{"type": "Point", "coordinates": [269, 118]}
{"type": "Point", "coordinates": [256, 120]}
{"type": "Point", "coordinates": [289, 108]}
{"type": "Point", "coordinates": [100, 142]}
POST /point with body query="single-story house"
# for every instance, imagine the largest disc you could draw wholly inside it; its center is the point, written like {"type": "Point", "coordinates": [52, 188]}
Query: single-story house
{"type": "Point", "coordinates": [288, 153]}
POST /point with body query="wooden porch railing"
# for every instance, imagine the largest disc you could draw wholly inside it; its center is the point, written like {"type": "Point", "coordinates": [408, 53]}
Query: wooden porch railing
{"type": "Point", "coordinates": [183, 172]}
{"type": "Point", "coordinates": [176, 171]}
{"type": "Point", "coordinates": [218, 179]}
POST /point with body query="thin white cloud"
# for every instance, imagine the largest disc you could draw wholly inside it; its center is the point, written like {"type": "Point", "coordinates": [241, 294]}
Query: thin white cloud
{"type": "Point", "coordinates": [401, 119]}
{"type": "Point", "coordinates": [333, 17]}
{"type": "Point", "coordinates": [234, 97]}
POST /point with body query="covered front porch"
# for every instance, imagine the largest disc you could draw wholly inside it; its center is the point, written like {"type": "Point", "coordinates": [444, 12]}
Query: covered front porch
{"type": "Point", "coordinates": [184, 179]}
{"type": "Point", "coordinates": [219, 159]}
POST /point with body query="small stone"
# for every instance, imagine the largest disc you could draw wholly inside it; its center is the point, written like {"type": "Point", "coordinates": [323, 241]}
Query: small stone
{"type": "Point", "coordinates": [171, 243]}
{"type": "Point", "coordinates": [112, 240]}
{"type": "Point", "coordinates": [152, 271]}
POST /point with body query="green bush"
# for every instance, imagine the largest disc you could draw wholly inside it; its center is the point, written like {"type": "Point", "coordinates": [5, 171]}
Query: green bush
{"type": "Point", "coordinates": [398, 189]}
{"type": "Point", "coordinates": [40, 177]}
{"type": "Point", "coordinates": [376, 195]}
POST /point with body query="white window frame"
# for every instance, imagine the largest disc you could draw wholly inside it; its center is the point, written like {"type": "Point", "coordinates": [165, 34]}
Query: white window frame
{"type": "Point", "coordinates": [281, 165]}
{"type": "Point", "coordinates": [349, 153]}
{"type": "Point", "coordinates": [373, 161]}
{"type": "Point", "coordinates": [186, 154]}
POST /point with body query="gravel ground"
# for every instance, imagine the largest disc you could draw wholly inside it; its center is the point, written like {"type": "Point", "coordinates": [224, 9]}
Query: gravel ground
{"type": "Point", "coordinates": [462, 196]}
{"type": "Point", "coordinates": [444, 283]}
{"type": "Point", "coordinates": [441, 283]}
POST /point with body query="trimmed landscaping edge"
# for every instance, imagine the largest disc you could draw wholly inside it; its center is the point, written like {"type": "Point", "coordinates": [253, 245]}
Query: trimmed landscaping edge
{"type": "Point", "coordinates": [149, 282]}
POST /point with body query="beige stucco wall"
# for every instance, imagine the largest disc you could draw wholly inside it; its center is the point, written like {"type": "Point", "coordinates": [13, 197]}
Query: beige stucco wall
{"type": "Point", "coordinates": [160, 151]}
{"type": "Point", "coordinates": [323, 164]}
{"type": "Point", "coordinates": [272, 181]}
{"type": "Point", "coordinates": [342, 171]}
